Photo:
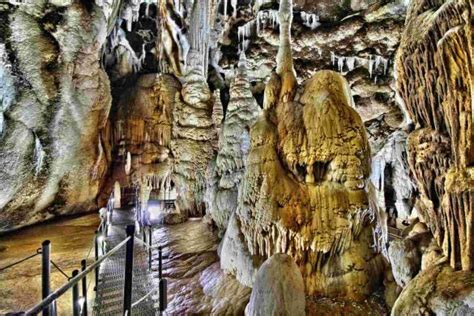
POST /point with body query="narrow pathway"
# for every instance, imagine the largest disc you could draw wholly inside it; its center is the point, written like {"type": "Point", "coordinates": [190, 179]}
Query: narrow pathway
{"type": "Point", "coordinates": [109, 300]}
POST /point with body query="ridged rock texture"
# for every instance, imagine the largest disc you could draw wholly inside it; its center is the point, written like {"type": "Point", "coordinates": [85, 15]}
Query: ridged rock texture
{"type": "Point", "coordinates": [55, 107]}
{"type": "Point", "coordinates": [193, 143]}
{"type": "Point", "coordinates": [435, 82]}
{"type": "Point", "coordinates": [228, 168]}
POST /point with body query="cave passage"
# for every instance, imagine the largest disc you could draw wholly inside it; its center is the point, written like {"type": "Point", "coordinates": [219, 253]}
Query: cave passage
{"type": "Point", "coordinates": [236, 157]}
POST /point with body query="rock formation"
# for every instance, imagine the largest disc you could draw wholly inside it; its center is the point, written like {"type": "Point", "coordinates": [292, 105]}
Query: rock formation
{"type": "Point", "coordinates": [303, 189]}
{"type": "Point", "coordinates": [229, 166]}
{"type": "Point", "coordinates": [55, 107]}
{"type": "Point", "coordinates": [440, 291]}
{"type": "Point", "coordinates": [434, 80]}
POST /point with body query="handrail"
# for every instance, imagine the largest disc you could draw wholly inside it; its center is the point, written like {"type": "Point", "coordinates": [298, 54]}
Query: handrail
{"type": "Point", "coordinates": [56, 294]}
{"type": "Point", "coordinates": [38, 252]}
{"type": "Point", "coordinates": [148, 246]}
{"type": "Point", "coordinates": [145, 296]}
{"type": "Point", "coordinates": [59, 269]}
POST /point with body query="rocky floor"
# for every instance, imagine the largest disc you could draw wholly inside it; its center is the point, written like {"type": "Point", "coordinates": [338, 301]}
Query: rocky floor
{"type": "Point", "coordinates": [196, 284]}
{"type": "Point", "coordinates": [71, 240]}
{"type": "Point", "coordinates": [373, 306]}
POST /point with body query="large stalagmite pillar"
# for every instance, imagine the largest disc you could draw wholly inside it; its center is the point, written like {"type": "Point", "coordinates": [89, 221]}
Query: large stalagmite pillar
{"type": "Point", "coordinates": [194, 131]}
{"type": "Point", "coordinates": [303, 190]}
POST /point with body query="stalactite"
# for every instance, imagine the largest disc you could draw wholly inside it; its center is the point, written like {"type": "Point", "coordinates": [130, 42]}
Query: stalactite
{"type": "Point", "coordinates": [310, 20]}
{"type": "Point", "coordinates": [198, 57]}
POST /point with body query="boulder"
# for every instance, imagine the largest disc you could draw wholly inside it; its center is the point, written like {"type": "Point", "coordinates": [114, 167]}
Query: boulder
{"type": "Point", "coordinates": [278, 288]}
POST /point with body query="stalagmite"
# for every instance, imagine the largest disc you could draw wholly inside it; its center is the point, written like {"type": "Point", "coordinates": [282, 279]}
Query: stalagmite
{"type": "Point", "coordinates": [319, 211]}
{"type": "Point", "coordinates": [285, 67]}
{"type": "Point", "coordinates": [230, 163]}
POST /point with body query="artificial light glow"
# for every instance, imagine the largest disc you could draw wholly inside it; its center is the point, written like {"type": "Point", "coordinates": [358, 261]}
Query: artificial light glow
{"type": "Point", "coordinates": [81, 301]}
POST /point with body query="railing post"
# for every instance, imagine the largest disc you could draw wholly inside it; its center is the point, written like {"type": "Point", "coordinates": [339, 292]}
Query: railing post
{"type": "Point", "coordinates": [127, 293]}
{"type": "Point", "coordinates": [163, 285]}
{"type": "Point", "coordinates": [46, 272]}
{"type": "Point", "coordinates": [84, 288]}
{"type": "Point", "coordinates": [150, 243]}
{"type": "Point", "coordinates": [96, 270]}
{"type": "Point", "coordinates": [76, 308]}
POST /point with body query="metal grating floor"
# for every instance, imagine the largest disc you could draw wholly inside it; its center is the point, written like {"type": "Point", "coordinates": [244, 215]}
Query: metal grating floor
{"type": "Point", "coordinates": [109, 296]}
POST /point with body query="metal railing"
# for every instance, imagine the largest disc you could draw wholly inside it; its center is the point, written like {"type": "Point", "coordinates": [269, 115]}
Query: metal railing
{"type": "Point", "coordinates": [79, 304]}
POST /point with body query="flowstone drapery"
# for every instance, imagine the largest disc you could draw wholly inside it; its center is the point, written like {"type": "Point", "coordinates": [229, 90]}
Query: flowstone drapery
{"type": "Point", "coordinates": [435, 82]}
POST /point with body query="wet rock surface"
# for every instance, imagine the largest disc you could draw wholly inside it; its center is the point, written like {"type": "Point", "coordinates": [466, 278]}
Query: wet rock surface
{"type": "Point", "coordinates": [196, 283]}
{"type": "Point", "coordinates": [57, 108]}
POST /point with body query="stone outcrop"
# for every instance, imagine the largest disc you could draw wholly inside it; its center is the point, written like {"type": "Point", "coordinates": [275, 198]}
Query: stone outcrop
{"type": "Point", "coordinates": [53, 119]}
{"type": "Point", "coordinates": [278, 288]}
{"type": "Point", "coordinates": [405, 260]}
{"type": "Point", "coordinates": [435, 82]}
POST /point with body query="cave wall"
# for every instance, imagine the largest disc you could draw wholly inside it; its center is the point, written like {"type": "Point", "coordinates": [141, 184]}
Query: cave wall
{"type": "Point", "coordinates": [54, 106]}
{"type": "Point", "coordinates": [435, 82]}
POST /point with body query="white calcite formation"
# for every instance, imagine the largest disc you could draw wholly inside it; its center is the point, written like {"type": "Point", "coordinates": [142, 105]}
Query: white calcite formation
{"type": "Point", "coordinates": [393, 191]}
{"type": "Point", "coordinates": [234, 142]}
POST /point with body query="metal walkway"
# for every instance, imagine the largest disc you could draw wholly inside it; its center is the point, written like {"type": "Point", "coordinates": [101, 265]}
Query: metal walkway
{"type": "Point", "coordinates": [109, 295]}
